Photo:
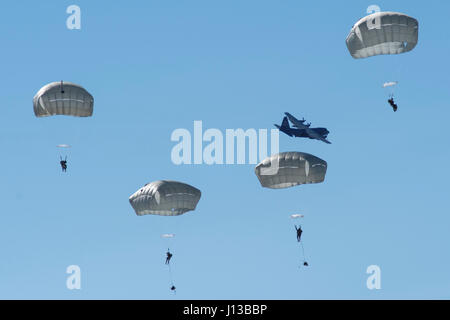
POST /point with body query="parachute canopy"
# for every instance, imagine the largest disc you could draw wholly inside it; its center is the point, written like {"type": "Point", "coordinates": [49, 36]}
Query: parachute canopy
{"type": "Point", "coordinates": [168, 235]}
{"type": "Point", "coordinates": [296, 216]}
{"type": "Point", "coordinates": [63, 98]}
{"type": "Point", "coordinates": [383, 33]}
{"type": "Point", "coordinates": [165, 198]}
{"type": "Point", "coordinates": [288, 169]}
{"type": "Point", "coordinates": [63, 146]}
{"type": "Point", "coordinates": [390, 84]}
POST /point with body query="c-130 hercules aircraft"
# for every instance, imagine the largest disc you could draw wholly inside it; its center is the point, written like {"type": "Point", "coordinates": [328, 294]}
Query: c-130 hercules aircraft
{"type": "Point", "coordinates": [302, 130]}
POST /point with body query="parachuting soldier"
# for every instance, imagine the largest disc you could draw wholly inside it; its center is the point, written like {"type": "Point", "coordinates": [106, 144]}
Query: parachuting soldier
{"type": "Point", "coordinates": [63, 164]}
{"type": "Point", "coordinates": [169, 256]}
{"type": "Point", "coordinates": [299, 232]}
{"type": "Point", "coordinates": [393, 104]}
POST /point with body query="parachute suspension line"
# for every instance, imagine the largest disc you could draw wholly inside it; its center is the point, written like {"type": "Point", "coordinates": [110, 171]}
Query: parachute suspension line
{"type": "Point", "coordinates": [398, 66]}
{"type": "Point", "coordinates": [394, 72]}
{"type": "Point", "coordinates": [303, 251]}
{"type": "Point", "coordinates": [170, 275]}
{"type": "Point", "coordinates": [303, 248]}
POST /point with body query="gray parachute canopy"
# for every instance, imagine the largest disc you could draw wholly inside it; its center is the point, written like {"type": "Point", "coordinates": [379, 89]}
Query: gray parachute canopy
{"type": "Point", "coordinates": [165, 198]}
{"type": "Point", "coordinates": [63, 98]}
{"type": "Point", "coordinates": [383, 33]}
{"type": "Point", "coordinates": [288, 169]}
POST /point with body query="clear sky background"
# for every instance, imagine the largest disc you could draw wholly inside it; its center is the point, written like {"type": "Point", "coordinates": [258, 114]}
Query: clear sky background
{"type": "Point", "coordinates": [155, 66]}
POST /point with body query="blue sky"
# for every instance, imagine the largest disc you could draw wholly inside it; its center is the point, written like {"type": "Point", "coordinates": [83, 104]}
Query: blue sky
{"type": "Point", "coordinates": [155, 66]}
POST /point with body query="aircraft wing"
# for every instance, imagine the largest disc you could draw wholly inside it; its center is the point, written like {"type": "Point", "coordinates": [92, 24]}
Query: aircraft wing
{"type": "Point", "coordinates": [295, 122]}
{"type": "Point", "coordinates": [325, 140]}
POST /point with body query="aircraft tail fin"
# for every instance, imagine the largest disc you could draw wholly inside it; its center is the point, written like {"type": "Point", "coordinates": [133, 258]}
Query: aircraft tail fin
{"type": "Point", "coordinates": [285, 123]}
